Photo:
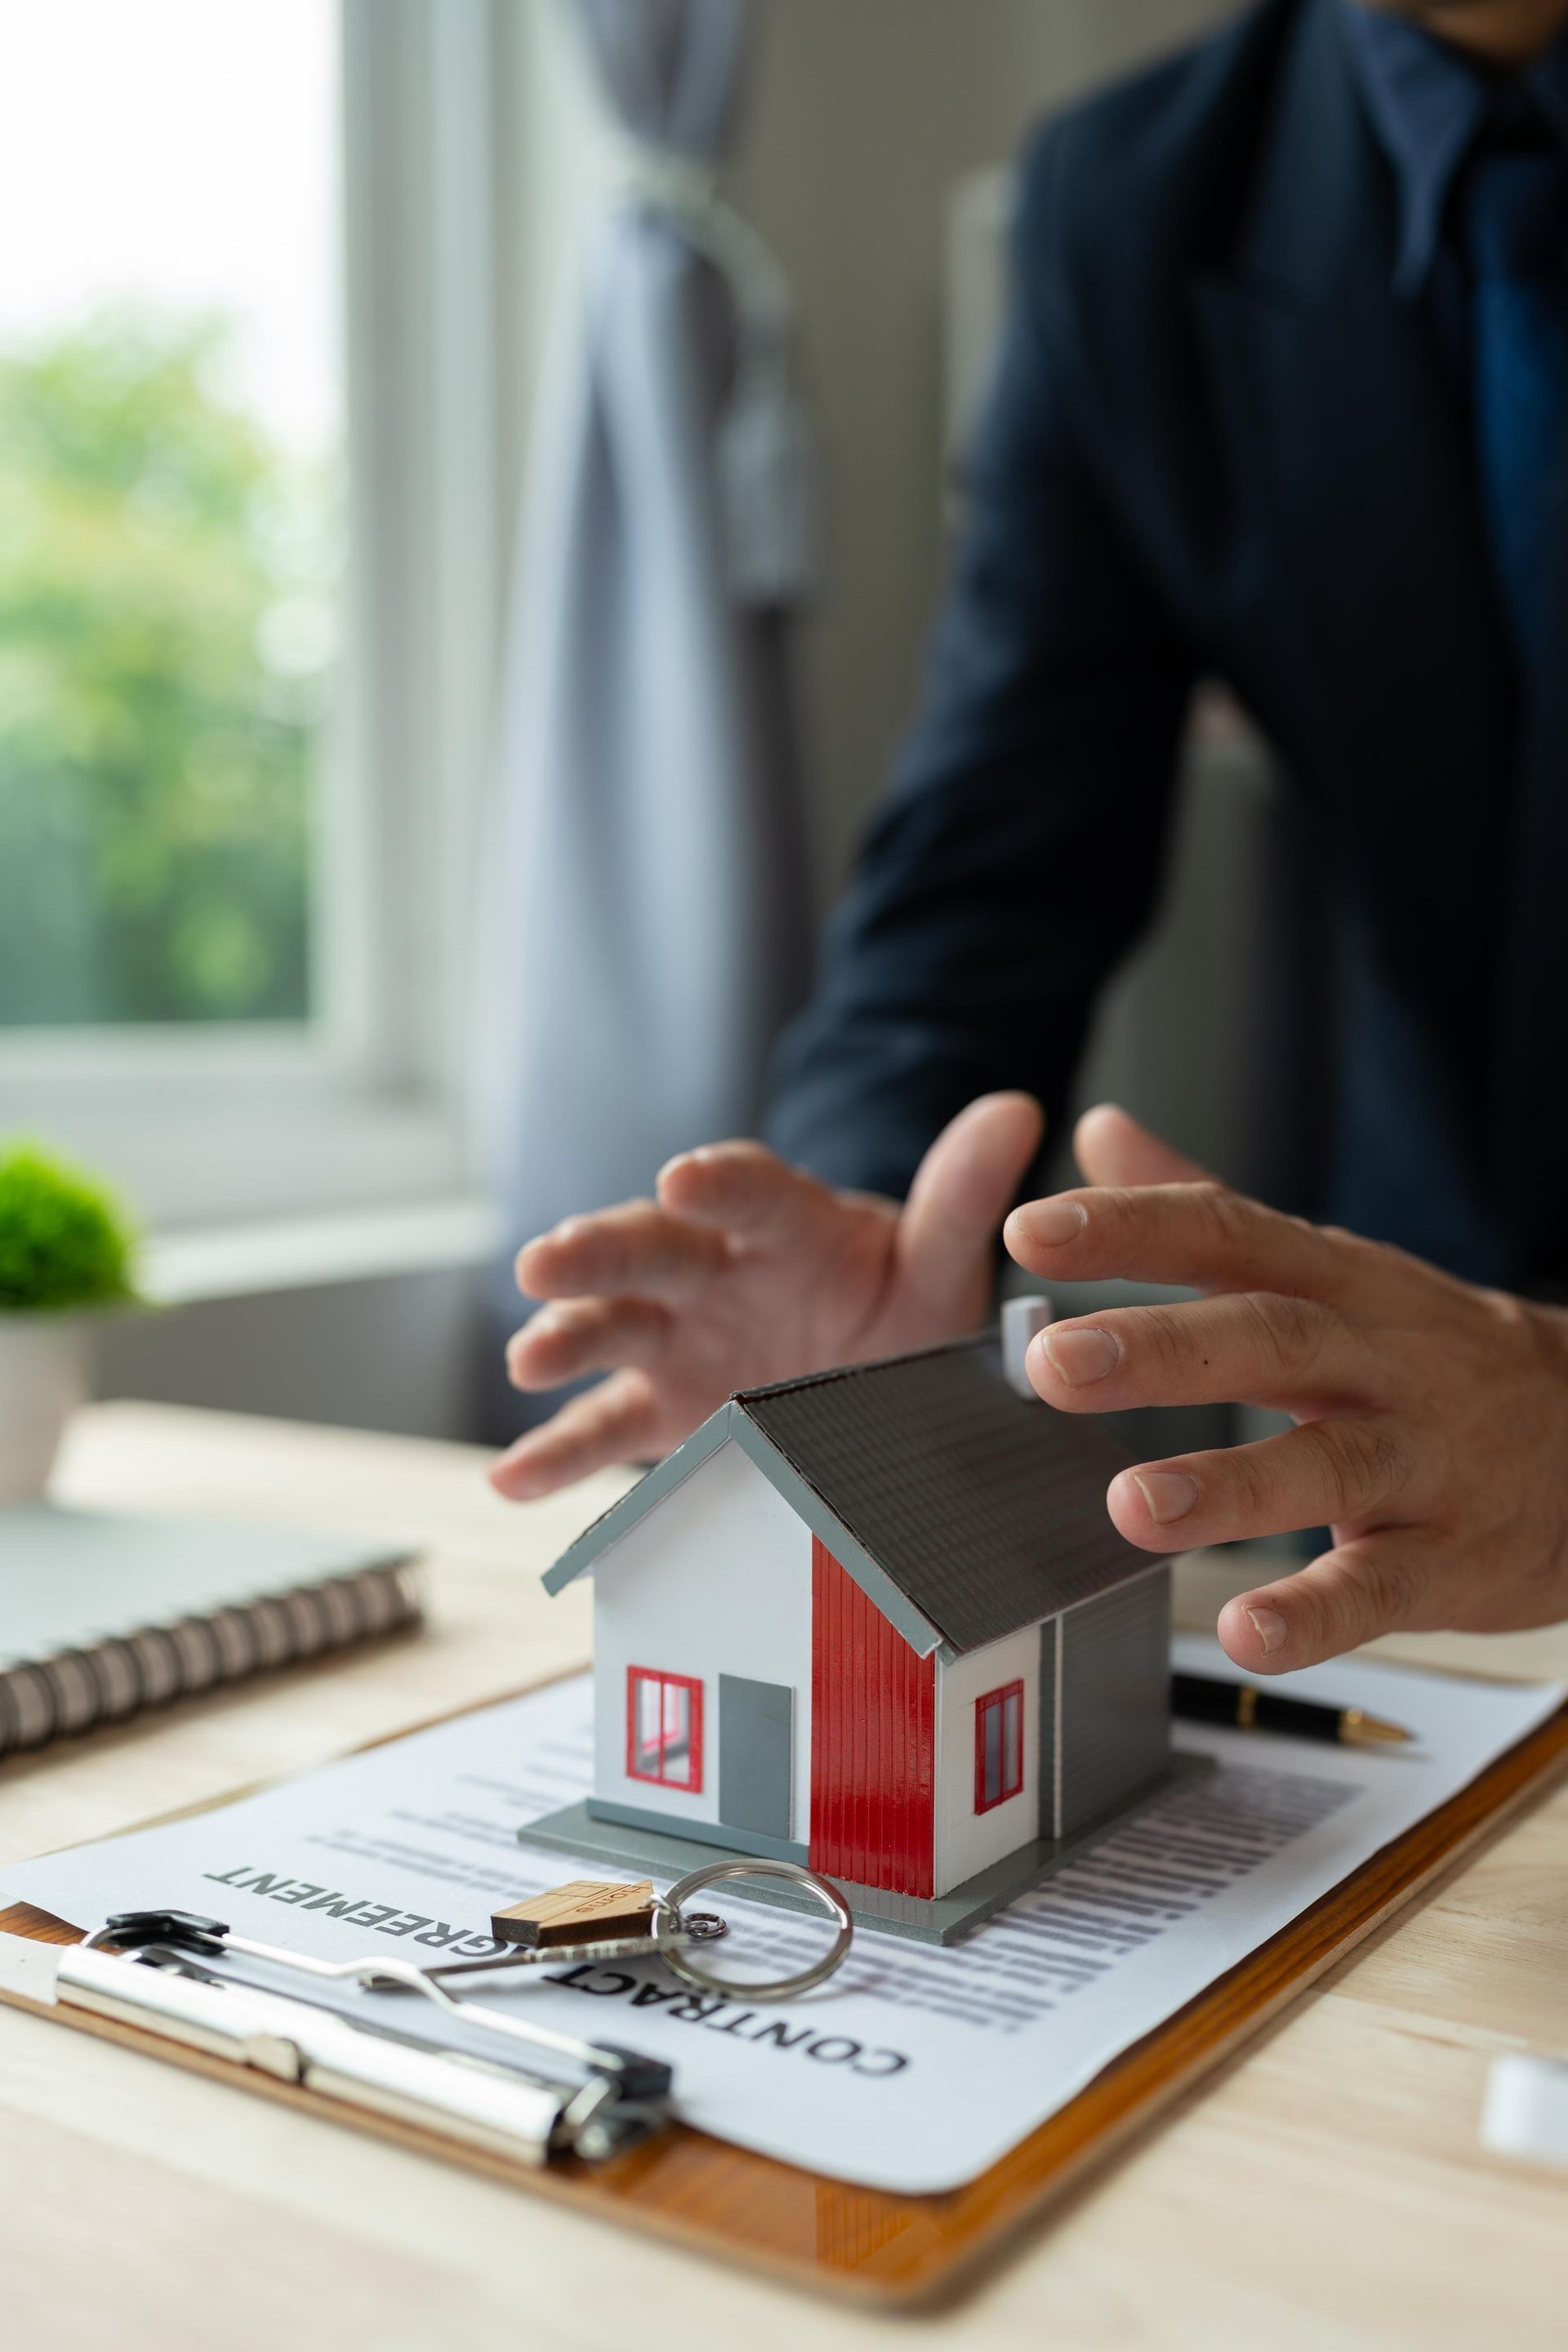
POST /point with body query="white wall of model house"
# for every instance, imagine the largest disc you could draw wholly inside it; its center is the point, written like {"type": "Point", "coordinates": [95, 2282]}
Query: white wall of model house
{"type": "Point", "coordinates": [967, 1841]}
{"type": "Point", "coordinates": [715, 1580]}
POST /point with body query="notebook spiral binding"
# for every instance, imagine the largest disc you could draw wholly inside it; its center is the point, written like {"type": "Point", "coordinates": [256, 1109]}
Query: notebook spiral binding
{"type": "Point", "coordinates": [78, 1690]}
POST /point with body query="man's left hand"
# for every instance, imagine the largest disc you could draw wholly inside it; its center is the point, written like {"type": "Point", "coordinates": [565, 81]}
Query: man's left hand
{"type": "Point", "coordinates": [1432, 1416]}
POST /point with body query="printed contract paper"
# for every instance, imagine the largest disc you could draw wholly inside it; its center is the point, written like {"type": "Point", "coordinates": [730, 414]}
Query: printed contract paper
{"type": "Point", "coordinates": [916, 2067]}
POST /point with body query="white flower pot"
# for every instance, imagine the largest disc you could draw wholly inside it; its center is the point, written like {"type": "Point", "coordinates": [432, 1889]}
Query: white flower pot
{"type": "Point", "coordinates": [44, 1377]}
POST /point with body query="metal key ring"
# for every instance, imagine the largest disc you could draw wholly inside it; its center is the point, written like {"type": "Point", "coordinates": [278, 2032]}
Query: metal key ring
{"type": "Point", "coordinates": [667, 1918]}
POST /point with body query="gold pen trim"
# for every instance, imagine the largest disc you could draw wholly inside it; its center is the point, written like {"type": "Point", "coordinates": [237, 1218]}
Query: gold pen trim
{"type": "Point", "coordinates": [1246, 1708]}
{"type": "Point", "coordinates": [1358, 1729]}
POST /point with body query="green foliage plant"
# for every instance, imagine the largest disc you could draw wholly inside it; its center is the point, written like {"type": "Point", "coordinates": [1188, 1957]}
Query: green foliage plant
{"type": "Point", "coordinates": [65, 1241]}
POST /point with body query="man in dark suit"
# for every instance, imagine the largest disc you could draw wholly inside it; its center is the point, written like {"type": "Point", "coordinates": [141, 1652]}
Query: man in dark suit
{"type": "Point", "coordinates": [1281, 401]}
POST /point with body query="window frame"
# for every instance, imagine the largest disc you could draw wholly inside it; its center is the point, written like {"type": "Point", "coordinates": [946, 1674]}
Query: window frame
{"type": "Point", "coordinates": [636, 1676]}
{"type": "Point", "coordinates": [368, 1098]}
{"type": "Point", "coordinates": [998, 1701]}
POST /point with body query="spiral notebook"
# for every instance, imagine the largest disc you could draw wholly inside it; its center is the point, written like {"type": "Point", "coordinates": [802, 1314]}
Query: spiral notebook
{"type": "Point", "coordinates": [102, 1615]}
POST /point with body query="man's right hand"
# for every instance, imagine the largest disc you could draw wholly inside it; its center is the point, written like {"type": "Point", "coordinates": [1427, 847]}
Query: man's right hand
{"type": "Point", "coordinates": [745, 1270]}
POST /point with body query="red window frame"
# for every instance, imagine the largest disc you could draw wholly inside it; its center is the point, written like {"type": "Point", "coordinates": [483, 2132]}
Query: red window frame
{"type": "Point", "coordinates": [690, 1778]}
{"type": "Point", "coordinates": [1007, 1704]}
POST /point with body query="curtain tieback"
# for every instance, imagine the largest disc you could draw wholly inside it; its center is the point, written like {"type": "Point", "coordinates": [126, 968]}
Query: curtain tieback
{"type": "Point", "coordinates": [764, 458]}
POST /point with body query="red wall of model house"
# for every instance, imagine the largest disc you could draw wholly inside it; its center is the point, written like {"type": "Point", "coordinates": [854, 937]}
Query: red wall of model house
{"type": "Point", "coordinates": [873, 1740]}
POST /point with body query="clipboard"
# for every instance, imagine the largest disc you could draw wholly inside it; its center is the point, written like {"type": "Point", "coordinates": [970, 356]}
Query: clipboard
{"type": "Point", "coordinates": [881, 2247]}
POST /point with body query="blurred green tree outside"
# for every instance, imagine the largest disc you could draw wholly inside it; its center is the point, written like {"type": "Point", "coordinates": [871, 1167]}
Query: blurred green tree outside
{"type": "Point", "coordinates": [164, 606]}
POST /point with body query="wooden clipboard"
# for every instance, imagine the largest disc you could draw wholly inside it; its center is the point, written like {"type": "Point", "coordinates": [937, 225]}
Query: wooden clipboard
{"type": "Point", "coordinates": [882, 2247]}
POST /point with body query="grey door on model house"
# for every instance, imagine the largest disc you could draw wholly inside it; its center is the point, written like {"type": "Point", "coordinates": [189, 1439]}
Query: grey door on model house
{"type": "Point", "coordinates": [756, 1745]}
{"type": "Point", "coordinates": [1105, 1723]}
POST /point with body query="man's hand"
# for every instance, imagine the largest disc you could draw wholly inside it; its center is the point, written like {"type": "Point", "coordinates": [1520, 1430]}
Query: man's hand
{"type": "Point", "coordinates": [742, 1271]}
{"type": "Point", "coordinates": [1433, 1417]}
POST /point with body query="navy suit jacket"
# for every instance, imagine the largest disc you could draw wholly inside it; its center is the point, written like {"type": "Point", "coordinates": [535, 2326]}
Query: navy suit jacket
{"type": "Point", "coordinates": [1219, 445]}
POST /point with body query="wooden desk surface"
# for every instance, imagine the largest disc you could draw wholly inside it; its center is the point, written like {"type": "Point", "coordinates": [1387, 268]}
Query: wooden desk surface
{"type": "Point", "coordinates": [1327, 2189]}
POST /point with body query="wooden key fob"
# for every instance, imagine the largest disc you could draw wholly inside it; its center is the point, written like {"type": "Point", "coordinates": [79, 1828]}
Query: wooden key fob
{"type": "Point", "coordinates": [587, 1910]}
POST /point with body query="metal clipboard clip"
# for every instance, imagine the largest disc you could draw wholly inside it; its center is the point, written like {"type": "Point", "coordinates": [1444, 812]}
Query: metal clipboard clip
{"type": "Point", "coordinates": [540, 2094]}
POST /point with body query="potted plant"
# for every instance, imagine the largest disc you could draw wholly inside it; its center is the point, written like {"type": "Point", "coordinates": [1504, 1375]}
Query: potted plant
{"type": "Point", "coordinates": [66, 1252]}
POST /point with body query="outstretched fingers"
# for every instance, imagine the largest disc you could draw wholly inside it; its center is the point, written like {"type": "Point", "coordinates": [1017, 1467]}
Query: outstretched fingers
{"type": "Point", "coordinates": [637, 1247]}
{"type": "Point", "coordinates": [617, 1422]}
{"type": "Point", "coordinates": [741, 1189]}
{"type": "Point", "coordinates": [574, 1336]}
{"type": "Point", "coordinates": [1374, 1584]}
{"type": "Point", "coordinates": [962, 1188]}
{"type": "Point", "coordinates": [1262, 1347]}
{"type": "Point", "coordinates": [1200, 1234]}
{"type": "Point", "coordinates": [1111, 1147]}
{"type": "Point", "coordinates": [1332, 1473]}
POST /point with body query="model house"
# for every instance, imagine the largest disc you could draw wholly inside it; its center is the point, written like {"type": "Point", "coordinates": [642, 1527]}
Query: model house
{"type": "Point", "coordinates": [877, 1620]}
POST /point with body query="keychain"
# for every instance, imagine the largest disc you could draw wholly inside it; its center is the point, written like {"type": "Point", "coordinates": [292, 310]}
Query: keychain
{"type": "Point", "coordinates": [671, 1920]}
{"type": "Point", "coordinates": [632, 1922]}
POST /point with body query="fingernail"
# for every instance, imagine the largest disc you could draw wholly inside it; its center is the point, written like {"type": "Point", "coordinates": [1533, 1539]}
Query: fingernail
{"type": "Point", "coordinates": [1270, 1627]}
{"type": "Point", "coordinates": [1051, 1222]}
{"type": "Point", "coordinates": [1080, 1357]}
{"type": "Point", "coordinates": [1167, 1494]}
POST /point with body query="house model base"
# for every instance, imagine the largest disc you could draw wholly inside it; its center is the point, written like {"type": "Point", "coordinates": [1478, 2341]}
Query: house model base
{"type": "Point", "coordinates": [578, 1830]}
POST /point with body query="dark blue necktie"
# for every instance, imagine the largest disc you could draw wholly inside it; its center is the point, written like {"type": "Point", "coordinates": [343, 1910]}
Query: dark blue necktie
{"type": "Point", "coordinates": [1516, 218]}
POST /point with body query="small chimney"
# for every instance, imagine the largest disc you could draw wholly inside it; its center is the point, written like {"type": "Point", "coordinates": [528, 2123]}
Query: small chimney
{"type": "Point", "coordinates": [1020, 1318]}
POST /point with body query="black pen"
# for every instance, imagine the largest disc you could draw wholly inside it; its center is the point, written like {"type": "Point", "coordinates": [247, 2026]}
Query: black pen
{"type": "Point", "coordinates": [1202, 1699]}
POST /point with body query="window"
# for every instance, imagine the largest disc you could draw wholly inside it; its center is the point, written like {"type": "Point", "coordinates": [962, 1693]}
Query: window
{"type": "Point", "coordinates": [262, 401]}
{"type": "Point", "coordinates": [172, 482]}
{"type": "Point", "coordinates": [998, 1745]}
{"type": "Point", "coordinates": [664, 1728]}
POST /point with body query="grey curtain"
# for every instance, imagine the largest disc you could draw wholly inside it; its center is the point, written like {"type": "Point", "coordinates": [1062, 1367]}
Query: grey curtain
{"type": "Point", "coordinates": [647, 924]}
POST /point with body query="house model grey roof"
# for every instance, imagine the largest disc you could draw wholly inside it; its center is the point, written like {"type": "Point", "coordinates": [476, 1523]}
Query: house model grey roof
{"type": "Point", "coordinates": [963, 1510]}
